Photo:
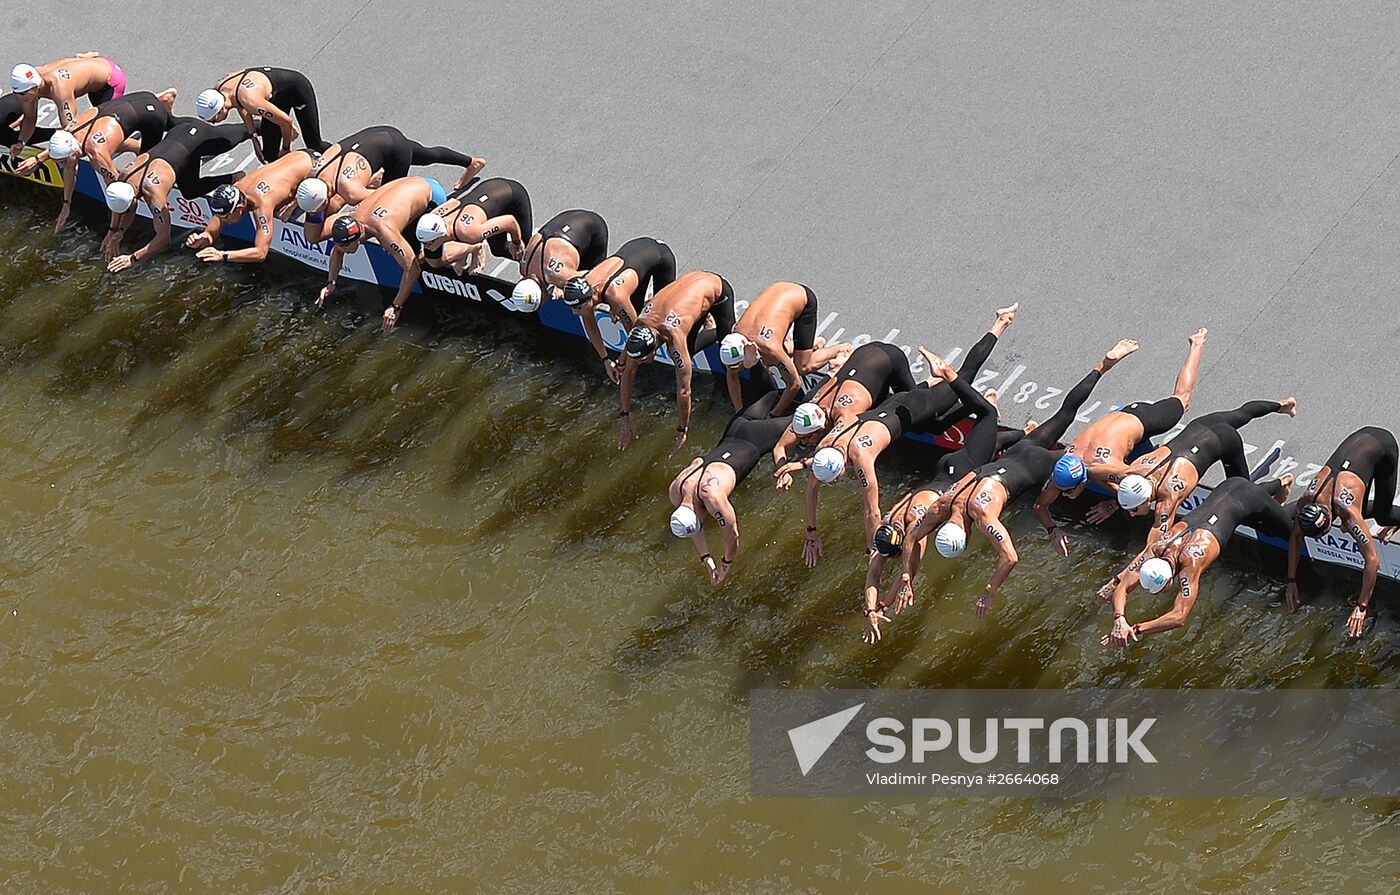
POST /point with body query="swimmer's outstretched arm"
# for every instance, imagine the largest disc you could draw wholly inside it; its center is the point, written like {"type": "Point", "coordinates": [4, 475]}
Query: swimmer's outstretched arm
{"type": "Point", "coordinates": [501, 223]}
{"type": "Point", "coordinates": [333, 265]}
{"type": "Point", "coordinates": [794, 383]}
{"type": "Point", "coordinates": [1007, 558]}
{"type": "Point", "coordinates": [595, 338]}
{"type": "Point", "coordinates": [723, 511]}
{"type": "Point", "coordinates": [731, 384]}
{"type": "Point", "coordinates": [874, 610]}
{"type": "Point", "coordinates": [1190, 578]}
{"type": "Point", "coordinates": [1356, 526]}
{"type": "Point", "coordinates": [406, 283]}
{"type": "Point", "coordinates": [681, 356]}
{"type": "Point", "coordinates": [870, 492]}
{"type": "Point", "coordinates": [1048, 495]}
{"type": "Point", "coordinates": [812, 545]}
{"type": "Point", "coordinates": [1295, 553]}
{"type": "Point", "coordinates": [262, 243]}
{"type": "Point", "coordinates": [628, 431]}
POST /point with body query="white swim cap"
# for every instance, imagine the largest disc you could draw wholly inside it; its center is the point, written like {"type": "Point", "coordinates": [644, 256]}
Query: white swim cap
{"type": "Point", "coordinates": [120, 197]}
{"type": "Point", "coordinates": [24, 77]}
{"type": "Point", "coordinates": [950, 541]}
{"type": "Point", "coordinates": [208, 104]}
{"type": "Point", "coordinates": [732, 348]}
{"type": "Point", "coordinates": [1133, 492]}
{"type": "Point", "coordinates": [1154, 575]}
{"type": "Point", "coordinates": [62, 145]}
{"type": "Point", "coordinates": [684, 523]}
{"type": "Point", "coordinates": [808, 418]}
{"type": "Point", "coordinates": [526, 297]}
{"type": "Point", "coordinates": [312, 194]}
{"type": "Point", "coordinates": [430, 227]}
{"type": "Point", "coordinates": [828, 464]}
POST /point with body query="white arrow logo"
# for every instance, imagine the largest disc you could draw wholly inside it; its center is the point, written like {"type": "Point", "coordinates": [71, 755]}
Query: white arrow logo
{"type": "Point", "coordinates": [811, 740]}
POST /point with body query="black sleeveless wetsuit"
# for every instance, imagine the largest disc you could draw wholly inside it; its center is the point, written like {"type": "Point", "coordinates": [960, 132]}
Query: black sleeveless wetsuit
{"type": "Point", "coordinates": [188, 143]}
{"type": "Point", "coordinates": [1216, 437]}
{"type": "Point", "coordinates": [293, 94]}
{"type": "Point", "coordinates": [11, 113]}
{"type": "Point", "coordinates": [1029, 462]}
{"type": "Point", "coordinates": [496, 196]}
{"type": "Point", "coordinates": [1238, 501]}
{"type": "Point", "coordinates": [750, 435]}
{"type": "Point", "coordinates": [386, 149]}
{"type": "Point", "coordinates": [930, 409]}
{"type": "Point", "coordinates": [881, 368]}
{"type": "Point", "coordinates": [134, 113]}
{"type": "Point", "coordinates": [1371, 454]}
{"type": "Point", "coordinates": [585, 230]}
{"type": "Point", "coordinates": [652, 261]}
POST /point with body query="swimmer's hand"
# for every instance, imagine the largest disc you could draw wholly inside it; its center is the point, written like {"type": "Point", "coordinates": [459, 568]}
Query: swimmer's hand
{"type": "Point", "coordinates": [1105, 593]}
{"type": "Point", "coordinates": [15, 151]}
{"type": "Point", "coordinates": [1385, 534]}
{"type": "Point", "coordinates": [391, 318]}
{"type": "Point", "coordinates": [680, 442]}
{"type": "Point", "coordinates": [200, 240]}
{"type": "Point", "coordinates": [905, 598]}
{"type": "Point", "coordinates": [627, 435]}
{"type": "Point", "coordinates": [1060, 540]}
{"type": "Point", "coordinates": [516, 250]}
{"type": "Point", "coordinates": [873, 617]}
{"type": "Point", "coordinates": [610, 367]}
{"type": "Point", "coordinates": [120, 263]}
{"type": "Point", "coordinates": [210, 254]}
{"type": "Point", "coordinates": [1290, 595]}
{"type": "Point", "coordinates": [27, 167]}
{"type": "Point", "coordinates": [720, 572]}
{"type": "Point", "coordinates": [784, 474]}
{"type": "Point", "coordinates": [326, 291]}
{"type": "Point", "coordinates": [1356, 622]}
{"type": "Point", "coordinates": [1102, 511]}
{"type": "Point", "coordinates": [1121, 635]}
{"type": "Point", "coordinates": [812, 549]}
{"type": "Point", "coordinates": [61, 220]}
{"type": "Point", "coordinates": [982, 606]}
{"type": "Point", "coordinates": [111, 244]}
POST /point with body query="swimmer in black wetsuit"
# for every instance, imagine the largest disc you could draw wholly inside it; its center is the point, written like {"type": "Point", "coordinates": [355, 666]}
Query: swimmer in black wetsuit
{"type": "Point", "coordinates": [706, 485]}
{"type": "Point", "coordinates": [493, 213]}
{"type": "Point", "coordinates": [872, 373]}
{"type": "Point", "coordinates": [346, 172]}
{"type": "Point", "coordinates": [779, 331]}
{"type": "Point", "coordinates": [904, 529]}
{"type": "Point", "coordinates": [1190, 547]}
{"type": "Point", "coordinates": [676, 318]}
{"type": "Point", "coordinates": [272, 94]}
{"type": "Point", "coordinates": [1357, 482]}
{"type": "Point", "coordinates": [1161, 479]}
{"type": "Point", "coordinates": [569, 242]}
{"type": "Point", "coordinates": [1024, 466]}
{"type": "Point", "coordinates": [174, 161]}
{"type": "Point", "coordinates": [132, 123]}
{"type": "Point", "coordinates": [930, 408]}
{"type": "Point", "coordinates": [1109, 439]}
{"type": "Point", "coordinates": [620, 283]}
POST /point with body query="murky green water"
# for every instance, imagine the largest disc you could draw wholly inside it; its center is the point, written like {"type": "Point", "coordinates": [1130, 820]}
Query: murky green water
{"type": "Point", "coordinates": [291, 606]}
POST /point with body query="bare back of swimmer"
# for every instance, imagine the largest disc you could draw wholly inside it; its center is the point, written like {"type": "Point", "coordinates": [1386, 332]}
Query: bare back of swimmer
{"type": "Point", "coordinates": [676, 319]}
{"type": "Point", "coordinates": [63, 81]}
{"type": "Point", "coordinates": [1109, 439]}
{"type": "Point", "coordinates": [779, 330]}
{"type": "Point", "coordinates": [264, 193]}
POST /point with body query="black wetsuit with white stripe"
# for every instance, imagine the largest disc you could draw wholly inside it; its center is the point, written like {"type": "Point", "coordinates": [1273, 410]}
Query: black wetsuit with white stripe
{"type": "Point", "coordinates": [1371, 454]}
{"type": "Point", "coordinates": [653, 263]}
{"type": "Point", "coordinates": [11, 114]}
{"type": "Point", "coordinates": [1238, 501]}
{"type": "Point", "coordinates": [188, 143]}
{"type": "Point", "coordinates": [134, 113]}
{"type": "Point", "coordinates": [496, 197]}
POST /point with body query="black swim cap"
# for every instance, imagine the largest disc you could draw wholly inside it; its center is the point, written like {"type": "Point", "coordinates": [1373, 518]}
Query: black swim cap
{"type": "Point", "coordinates": [1314, 520]}
{"type": "Point", "coordinates": [577, 292]}
{"type": "Point", "coordinates": [889, 539]}
{"type": "Point", "coordinates": [346, 231]}
{"type": "Point", "coordinates": [642, 342]}
{"type": "Point", "coordinates": [224, 199]}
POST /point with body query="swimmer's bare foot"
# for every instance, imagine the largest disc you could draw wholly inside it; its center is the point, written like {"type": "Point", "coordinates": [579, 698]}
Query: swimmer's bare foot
{"type": "Point", "coordinates": [1124, 348]}
{"type": "Point", "coordinates": [1198, 338]}
{"type": "Point", "coordinates": [937, 367]}
{"type": "Point", "coordinates": [1285, 483]}
{"type": "Point", "coordinates": [1004, 317]}
{"type": "Point", "coordinates": [1288, 406]}
{"type": "Point", "coordinates": [1030, 427]}
{"type": "Point", "coordinates": [839, 360]}
{"type": "Point", "coordinates": [167, 98]}
{"type": "Point", "coordinates": [991, 396]}
{"type": "Point", "coordinates": [472, 170]}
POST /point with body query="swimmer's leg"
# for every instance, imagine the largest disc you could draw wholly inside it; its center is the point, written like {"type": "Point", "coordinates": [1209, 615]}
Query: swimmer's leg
{"type": "Point", "coordinates": [1186, 378]}
{"type": "Point", "coordinates": [1383, 508]}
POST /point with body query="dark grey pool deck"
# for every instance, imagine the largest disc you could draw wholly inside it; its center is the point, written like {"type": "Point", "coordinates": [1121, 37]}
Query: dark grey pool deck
{"type": "Point", "coordinates": [1127, 169]}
